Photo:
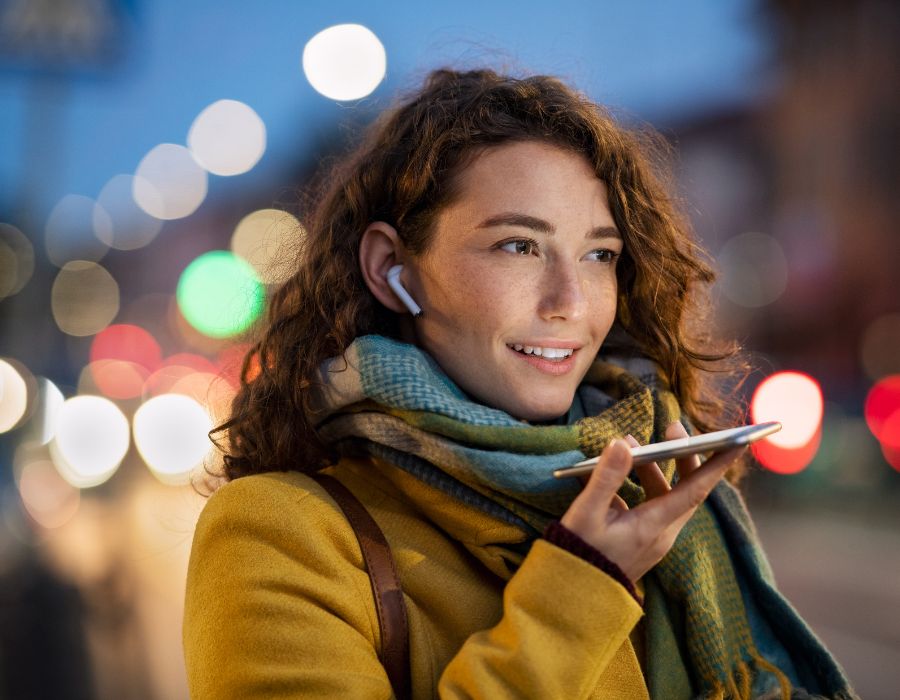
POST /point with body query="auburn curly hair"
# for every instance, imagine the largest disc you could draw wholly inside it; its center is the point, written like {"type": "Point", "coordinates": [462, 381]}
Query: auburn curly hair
{"type": "Point", "coordinates": [403, 171]}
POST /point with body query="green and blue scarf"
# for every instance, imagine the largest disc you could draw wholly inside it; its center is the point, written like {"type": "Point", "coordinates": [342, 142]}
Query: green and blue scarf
{"type": "Point", "coordinates": [716, 626]}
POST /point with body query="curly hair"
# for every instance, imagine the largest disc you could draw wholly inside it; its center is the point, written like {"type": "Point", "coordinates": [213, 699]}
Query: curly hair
{"type": "Point", "coordinates": [404, 171]}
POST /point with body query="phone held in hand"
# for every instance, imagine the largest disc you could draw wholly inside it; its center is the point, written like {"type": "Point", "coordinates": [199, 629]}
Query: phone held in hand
{"type": "Point", "coordinates": [718, 441]}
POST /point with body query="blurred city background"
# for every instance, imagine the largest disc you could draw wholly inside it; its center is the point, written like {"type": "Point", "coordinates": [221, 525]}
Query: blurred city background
{"type": "Point", "coordinates": [152, 159]}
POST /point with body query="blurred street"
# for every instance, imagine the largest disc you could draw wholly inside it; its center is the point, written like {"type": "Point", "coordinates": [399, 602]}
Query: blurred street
{"type": "Point", "coordinates": [843, 576]}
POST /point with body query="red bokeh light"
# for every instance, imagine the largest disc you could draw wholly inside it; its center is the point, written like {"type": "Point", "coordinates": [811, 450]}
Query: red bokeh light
{"type": "Point", "coordinates": [891, 455]}
{"type": "Point", "coordinates": [127, 343]}
{"type": "Point", "coordinates": [786, 460]}
{"type": "Point", "coordinates": [882, 405]}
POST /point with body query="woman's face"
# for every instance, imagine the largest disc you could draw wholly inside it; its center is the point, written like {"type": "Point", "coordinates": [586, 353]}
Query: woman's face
{"type": "Point", "coordinates": [524, 259]}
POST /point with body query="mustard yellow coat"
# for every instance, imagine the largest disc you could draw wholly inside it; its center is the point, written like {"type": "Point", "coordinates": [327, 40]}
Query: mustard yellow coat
{"type": "Point", "coordinates": [279, 604]}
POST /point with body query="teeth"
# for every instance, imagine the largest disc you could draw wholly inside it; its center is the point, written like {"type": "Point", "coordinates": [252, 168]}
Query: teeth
{"type": "Point", "coordinates": [550, 353]}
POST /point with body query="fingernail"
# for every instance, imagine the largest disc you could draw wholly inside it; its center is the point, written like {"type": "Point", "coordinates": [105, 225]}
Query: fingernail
{"type": "Point", "coordinates": [631, 441]}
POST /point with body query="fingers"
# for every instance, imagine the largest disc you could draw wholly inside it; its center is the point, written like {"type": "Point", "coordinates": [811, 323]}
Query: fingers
{"type": "Point", "coordinates": [687, 495]}
{"type": "Point", "coordinates": [608, 477]}
{"type": "Point", "coordinates": [684, 465]}
{"type": "Point", "coordinates": [651, 477]}
{"type": "Point", "coordinates": [591, 507]}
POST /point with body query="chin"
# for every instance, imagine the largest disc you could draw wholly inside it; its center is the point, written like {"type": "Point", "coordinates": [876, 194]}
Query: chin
{"type": "Point", "coordinates": [539, 412]}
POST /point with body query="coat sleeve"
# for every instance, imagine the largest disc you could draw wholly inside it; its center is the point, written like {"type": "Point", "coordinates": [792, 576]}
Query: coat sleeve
{"type": "Point", "coordinates": [279, 605]}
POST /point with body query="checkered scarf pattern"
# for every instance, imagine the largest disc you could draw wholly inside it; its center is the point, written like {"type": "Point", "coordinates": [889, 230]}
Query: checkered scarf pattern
{"type": "Point", "coordinates": [391, 400]}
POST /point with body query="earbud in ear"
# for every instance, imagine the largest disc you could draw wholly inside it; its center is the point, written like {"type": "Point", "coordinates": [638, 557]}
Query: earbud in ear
{"type": "Point", "coordinates": [393, 279]}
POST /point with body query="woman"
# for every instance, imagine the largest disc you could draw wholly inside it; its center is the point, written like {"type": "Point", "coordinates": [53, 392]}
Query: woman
{"type": "Point", "coordinates": [545, 291]}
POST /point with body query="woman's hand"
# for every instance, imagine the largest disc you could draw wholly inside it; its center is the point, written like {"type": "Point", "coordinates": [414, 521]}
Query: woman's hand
{"type": "Point", "coordinates": [636, 539]}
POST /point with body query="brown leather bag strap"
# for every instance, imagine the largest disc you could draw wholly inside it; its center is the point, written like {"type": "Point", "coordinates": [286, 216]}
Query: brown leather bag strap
{"type": "Point", "coordinates": [389, 603]}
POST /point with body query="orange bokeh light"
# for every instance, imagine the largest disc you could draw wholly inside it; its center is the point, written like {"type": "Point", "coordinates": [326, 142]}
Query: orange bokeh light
{"type": "Point", "coordinates": [118, 379]}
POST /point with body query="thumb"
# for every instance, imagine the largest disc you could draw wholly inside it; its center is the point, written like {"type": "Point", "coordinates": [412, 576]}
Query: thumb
{"type": "Point", "coordinates": [609, 475]}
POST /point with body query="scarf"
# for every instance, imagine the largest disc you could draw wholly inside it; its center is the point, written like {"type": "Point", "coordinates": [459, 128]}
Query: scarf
{"type": "Point", "coordinates": [711, 604]}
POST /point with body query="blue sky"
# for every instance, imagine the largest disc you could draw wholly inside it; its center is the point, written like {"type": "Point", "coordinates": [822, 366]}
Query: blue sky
{"type": "Point", "coordinates": [658, 61]}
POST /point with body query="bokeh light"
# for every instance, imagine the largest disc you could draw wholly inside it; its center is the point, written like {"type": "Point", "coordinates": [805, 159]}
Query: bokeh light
{"type": "Point", "coordinates": [169, 184]}
{"type": "Point", "coordinates": [786, 460]}
{"type": "Point", "coordinates": [50, 401]}
{"type": "Point", "coordinates": [170, 432]}
{"type": "Point", "coordinates": [227, 138]}
{"type": "Point", "coordinates": [116, 379]}
{"type": "Point", "coordinates": [175, 368]}
{"type": "Point", "coordinates": [219, 294]}
{"type": "Point", "coordinates": [118, 221]}
{"type": "Point", "coordinates": [122, 356]}
{"type": "Point", "coordinates": [754, 269]}
{"type": "Point", "coordinates": [16, 260]}
{"type": "Point", "coordinates": [48, 498]}
{"type": "Point", "coordinates": [793, 399]}
{"type": "Point", "coordinates": [881, 408]}
{"type": "Point", "coordinates": [128, 342]}
{"type": "Point", "coordinates": [344, 62]}
{"type": "Point", "coordinates": [268, 239]}
{"type": "Point", "coordinates": [84, 298]}
{"type": "Point", "coordinates": [69, 233]}
{"type": "Point", "coordinates": [212, 391]}
{"type": "Point", "coordinates": [231, 359]}
{"type": "Point", "coordinates": [92, 438]}
{"type": "Point", "coordinates": [880, 346]}
{"type": "Point", "coordinates": [13, 396]}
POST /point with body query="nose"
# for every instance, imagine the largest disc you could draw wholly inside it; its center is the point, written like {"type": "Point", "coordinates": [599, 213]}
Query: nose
{"type": "Point", "coordinates": [562, 292]}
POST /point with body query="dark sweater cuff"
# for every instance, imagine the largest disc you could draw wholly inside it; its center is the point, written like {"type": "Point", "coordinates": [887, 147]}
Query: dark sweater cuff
{"type": "Point", "coordinates": [558, 534]}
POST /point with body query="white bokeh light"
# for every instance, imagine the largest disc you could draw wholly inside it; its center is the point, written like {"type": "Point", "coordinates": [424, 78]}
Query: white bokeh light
{"type": "Point", "coordinates": [50, 400]}
{"type": "Point", "coordinates": [227, 138]}
{"type": "Point", "coordinates": [13, 396]}
{"type": "Point", "coordinates": [170, 432]}
{"type": "Point", "coordinates": [91, 440]}
{"type": "Point", "coordinates": [268, 239]}
{"type": "Point", "coordinates": [169, 183]}
{"type": "Point", "coordinates": [793, 399]}
{"type": "Point", "coordinates": [344, 62]}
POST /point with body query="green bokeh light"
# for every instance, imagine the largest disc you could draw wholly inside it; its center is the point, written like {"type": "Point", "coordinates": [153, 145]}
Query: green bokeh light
{"type": "Point", "coordinates": [220, 294]}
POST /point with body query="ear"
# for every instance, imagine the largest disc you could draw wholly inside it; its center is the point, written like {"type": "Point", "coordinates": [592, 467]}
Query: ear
{"type": "Point", "coordinates": [380, 248]}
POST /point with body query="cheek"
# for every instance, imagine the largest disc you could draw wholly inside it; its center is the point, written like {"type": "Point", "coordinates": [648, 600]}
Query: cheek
{"type": "Point", "coordinates": [473, 295]}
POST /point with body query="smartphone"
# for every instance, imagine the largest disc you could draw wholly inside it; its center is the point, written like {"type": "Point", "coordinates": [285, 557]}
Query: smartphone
{"type": "Point", "coordinates": [718, 441]}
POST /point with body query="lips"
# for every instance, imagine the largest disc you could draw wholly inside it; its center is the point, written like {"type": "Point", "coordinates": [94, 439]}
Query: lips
{"type": "Point", "coordinates": [547, 351]}
{"type": "Point", "coordinates": [554, 367]}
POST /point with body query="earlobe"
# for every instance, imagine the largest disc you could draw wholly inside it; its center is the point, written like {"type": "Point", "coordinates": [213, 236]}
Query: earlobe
{"type": "Point", "coordinates": [380, 251]}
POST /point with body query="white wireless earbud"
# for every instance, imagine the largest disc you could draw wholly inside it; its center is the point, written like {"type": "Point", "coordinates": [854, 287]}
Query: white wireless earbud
{"type": "Point", "coordinates": [393, 279]}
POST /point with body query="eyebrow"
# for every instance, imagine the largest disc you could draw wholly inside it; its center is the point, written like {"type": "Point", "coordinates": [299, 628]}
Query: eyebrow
{"type": "Point", "coordinates": [541, 226]}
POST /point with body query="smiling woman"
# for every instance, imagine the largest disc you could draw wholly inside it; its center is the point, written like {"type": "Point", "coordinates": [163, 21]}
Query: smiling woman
{"type": "Point", "coordinates": [493, 285]}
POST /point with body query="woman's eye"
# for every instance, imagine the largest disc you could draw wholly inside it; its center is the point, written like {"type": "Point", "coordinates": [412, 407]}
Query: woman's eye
{"type": "Point", "coordinates": [522, 246]}
{"type": "Point", "coordinates": [605, 256]}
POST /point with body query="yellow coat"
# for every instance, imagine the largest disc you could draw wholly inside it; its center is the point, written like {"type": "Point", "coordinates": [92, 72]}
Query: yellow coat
{"type": "Point", "coordinates": [279, 604]}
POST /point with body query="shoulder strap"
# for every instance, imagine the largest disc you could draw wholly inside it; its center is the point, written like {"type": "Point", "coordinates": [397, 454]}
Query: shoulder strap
{"type": "Point", "coordinates": [389, 603]}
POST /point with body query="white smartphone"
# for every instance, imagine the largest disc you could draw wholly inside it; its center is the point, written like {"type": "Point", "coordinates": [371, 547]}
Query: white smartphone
{"type": "Point", "coordinates": [718, 441]}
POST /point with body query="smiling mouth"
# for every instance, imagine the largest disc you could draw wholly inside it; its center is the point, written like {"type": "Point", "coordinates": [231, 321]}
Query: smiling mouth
{"type": "Point", "coordinates": [550, 354]}
{"type": "Point", "coordinates": [554, 366]}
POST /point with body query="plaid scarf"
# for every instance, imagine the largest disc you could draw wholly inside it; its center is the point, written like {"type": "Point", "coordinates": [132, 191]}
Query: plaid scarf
{"type": "Point", "coordinates": [716, 626]}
